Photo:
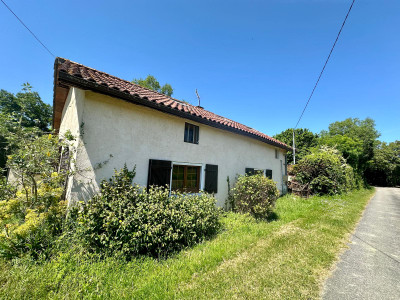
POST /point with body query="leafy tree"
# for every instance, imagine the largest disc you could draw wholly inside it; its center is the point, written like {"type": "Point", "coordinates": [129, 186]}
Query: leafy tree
{"type": "Point", "coordinates": [358, 130]}
{"type": "Point", "coordinates": [351, 148]}
{"type": "Point", "coordinates": [33, 213]}
{"type": "Point", "coordinates": [304, 139]}
{"type": "Point", "coordinates": [384, 168]}
{"type": "Point", "coordinates": [152, 83]}
{"type": "Point", "coordinates": [27, 108]}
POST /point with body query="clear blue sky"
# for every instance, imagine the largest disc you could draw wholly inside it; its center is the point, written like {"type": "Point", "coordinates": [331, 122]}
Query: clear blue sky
{"type": "Point", "coordinates": [252, 61]}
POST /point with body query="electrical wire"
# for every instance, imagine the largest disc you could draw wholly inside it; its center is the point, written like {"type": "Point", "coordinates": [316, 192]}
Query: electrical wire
{"type": "Point", "coordinates": [326, 62]}
{"type": "Point", "coordinates": [28, 29]}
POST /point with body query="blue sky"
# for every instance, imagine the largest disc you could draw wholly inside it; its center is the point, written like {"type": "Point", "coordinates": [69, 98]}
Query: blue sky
{"type": "Point", "coordinates": [255, 62]}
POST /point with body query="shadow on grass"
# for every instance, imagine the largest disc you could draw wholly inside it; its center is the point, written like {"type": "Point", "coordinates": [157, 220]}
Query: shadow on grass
{"type": "Point", "coordinates": [272, 217]}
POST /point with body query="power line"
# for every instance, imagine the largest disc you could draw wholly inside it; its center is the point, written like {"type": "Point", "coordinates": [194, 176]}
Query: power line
{"type": "Point", "coordinates": [326, 62]}
{"type": "Point", "coordinates": [28, 29]}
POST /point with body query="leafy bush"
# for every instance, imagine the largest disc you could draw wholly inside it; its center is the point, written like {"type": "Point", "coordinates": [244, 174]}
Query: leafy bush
{"type": "Point", "coordinates": [325, 171]}
{"type": "Point", "coordinates": [255, 194]}
{"type": "Point", "coordinates": [129, 220]}
{"type": "Point", "coordinates": [32, 213]}
{"type": "Point", "coordinates": [7, 191]}
{"type": "Point", "coordinates": [31, 229]}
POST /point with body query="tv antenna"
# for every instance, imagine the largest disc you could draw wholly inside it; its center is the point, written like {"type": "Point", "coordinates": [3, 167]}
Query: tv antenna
{"type": "Point", "coordinates": [198, 98]}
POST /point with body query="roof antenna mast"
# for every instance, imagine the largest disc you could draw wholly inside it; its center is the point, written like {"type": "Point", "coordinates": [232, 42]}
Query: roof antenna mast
{"type": "Point", "coordinates": [198, 98]}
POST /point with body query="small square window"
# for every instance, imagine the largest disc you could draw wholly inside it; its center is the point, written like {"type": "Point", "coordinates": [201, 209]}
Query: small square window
{"type": "Point", "coordinates": [191, 133]}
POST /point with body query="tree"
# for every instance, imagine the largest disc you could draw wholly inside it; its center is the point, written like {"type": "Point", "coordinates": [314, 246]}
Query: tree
{"type": "Point", "coordinates": [351, 149]}
{"type": "Point", "coordinates": [304, 141]}
{"type": "Point", "coordinates": [27, 108]}
{"type": "Point", "coordinates": [384, 168]}
{"type": "Point", "coordinates": [359, 130]}
{"type": "Point", "coordinates": [152, 83]}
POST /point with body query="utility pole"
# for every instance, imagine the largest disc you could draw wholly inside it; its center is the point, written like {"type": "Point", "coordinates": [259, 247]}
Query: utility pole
{"type": "Point", "coordinates": [294, 150]}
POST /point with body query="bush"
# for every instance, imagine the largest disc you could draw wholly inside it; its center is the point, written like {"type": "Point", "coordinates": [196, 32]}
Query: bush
{"type": "Point", "coordinates": [326, 172]}
{"type": "Point", "coordinates": [255, 194]}
{"type": "Point", "coordinates": [129, 220]}
{"type": "Point", "coordinates": [29, 229]}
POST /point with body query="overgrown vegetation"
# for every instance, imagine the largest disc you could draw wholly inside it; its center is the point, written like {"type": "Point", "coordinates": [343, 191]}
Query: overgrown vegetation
{"type": "Point", "coordinates": [127, 242]}
{"type": "Point", "coordinates": [373, 162]}
{"type": "Point", "coordinates": [255, 195]}
{"type": "Point", "coordinates": [129, 220]}
{"type": "Point", "coordinates": [32, 209]}
{"type": "Point", "coordinates": [28, 109]}
{"type": "Point", "coordinates": [325, 172]}
{"type": "Point", "coordinates": [284, 259]}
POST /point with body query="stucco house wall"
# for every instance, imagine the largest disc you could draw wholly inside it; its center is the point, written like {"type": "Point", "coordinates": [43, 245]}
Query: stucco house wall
{"type": "Point", "coordinates": [134, 134]}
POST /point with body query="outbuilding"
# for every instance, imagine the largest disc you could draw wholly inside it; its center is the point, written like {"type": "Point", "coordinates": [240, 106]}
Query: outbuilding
{"type": "Point", "coordinates": [170, 142]}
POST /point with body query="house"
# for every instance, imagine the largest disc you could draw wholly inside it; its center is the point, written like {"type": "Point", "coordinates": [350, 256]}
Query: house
{"type": "Point", "coordinates": [169, 141]}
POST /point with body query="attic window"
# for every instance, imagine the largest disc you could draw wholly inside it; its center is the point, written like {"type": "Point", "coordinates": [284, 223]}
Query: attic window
{"type": "Point", "coordinates": [191, 133]}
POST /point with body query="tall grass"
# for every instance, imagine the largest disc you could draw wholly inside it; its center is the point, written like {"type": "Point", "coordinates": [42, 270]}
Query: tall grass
{"type": "Point", "coordinates": [285, 258]}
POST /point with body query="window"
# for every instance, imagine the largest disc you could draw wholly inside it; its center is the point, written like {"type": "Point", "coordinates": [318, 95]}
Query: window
{"type": "Point", "coordinates": [276, 153]}
{"type": "Point", "coordinates": [252, 171]}
{"type": "Point", "coordinates": [191, 133]}
{"type": "Point", "coordinates": [185, 178]}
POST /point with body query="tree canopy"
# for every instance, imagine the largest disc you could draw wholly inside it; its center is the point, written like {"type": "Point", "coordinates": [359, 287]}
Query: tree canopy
{"type": "Point", "coordinates": [26, 108]}
{"type": "Point", "coordinates": [152, 83]}
{"type": "Point", "coordinates": [357, 141]}
{"type": "Point", "coordinates": [305, 140]}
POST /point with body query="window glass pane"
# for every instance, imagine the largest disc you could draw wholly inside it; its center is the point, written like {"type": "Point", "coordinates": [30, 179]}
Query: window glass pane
{"type": "Point", "coordinates": [191, 133]}
{"type": "Point", "coordinates": [185, 178]}
{"type": "Point", "coordinates": [186, 132]}
{"type": "Point", "coordinates": [177, 177]}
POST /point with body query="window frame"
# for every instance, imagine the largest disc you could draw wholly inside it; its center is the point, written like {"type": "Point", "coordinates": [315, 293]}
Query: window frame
{"type": "Point", "coordinates": [196, 133]}
{"type": "Point", "coordinates": [200, 179]}
{"type": "Point", "coordinates": [276, 154]}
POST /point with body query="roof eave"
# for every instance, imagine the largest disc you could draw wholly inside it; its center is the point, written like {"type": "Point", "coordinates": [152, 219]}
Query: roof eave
{"type": "Point", "coordinates": [71, 80]}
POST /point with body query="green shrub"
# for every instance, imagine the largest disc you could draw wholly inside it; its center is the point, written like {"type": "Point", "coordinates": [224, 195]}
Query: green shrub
{"type": "Point", "coordinates": [129, 220]}
{"type": "Point", "coordinates": [255, 194]}
{"type": "Point", "coordinates": [7, 191]}
{"type": "Point", "coordinates": [326, 172]}
{"type": "Point", "coordinates": [31, 229]}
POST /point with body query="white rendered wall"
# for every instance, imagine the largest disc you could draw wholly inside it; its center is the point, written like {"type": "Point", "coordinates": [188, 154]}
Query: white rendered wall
{"type": "Point", "coordinates": [133, 134]}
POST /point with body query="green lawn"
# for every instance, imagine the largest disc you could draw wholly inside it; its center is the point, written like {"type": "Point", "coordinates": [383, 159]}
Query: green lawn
{"type": "Point", "coordinates": [286, 258]}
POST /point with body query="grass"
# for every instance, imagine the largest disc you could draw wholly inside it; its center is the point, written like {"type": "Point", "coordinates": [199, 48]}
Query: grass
{"type": "Point", "coordinates": [286, 258]}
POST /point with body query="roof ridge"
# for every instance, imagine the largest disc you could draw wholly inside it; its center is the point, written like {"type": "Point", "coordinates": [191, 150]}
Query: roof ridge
{"type": "Point", "coordinates": [127, 81]}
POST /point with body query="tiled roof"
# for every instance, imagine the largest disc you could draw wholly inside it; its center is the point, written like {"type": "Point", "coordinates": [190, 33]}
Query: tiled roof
{"type": "Point", "coordinates": [101, 80]}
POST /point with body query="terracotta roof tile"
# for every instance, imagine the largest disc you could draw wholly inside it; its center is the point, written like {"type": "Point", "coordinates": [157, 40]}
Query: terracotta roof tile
{"type": "Point", "coordinates": [103, 79]}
